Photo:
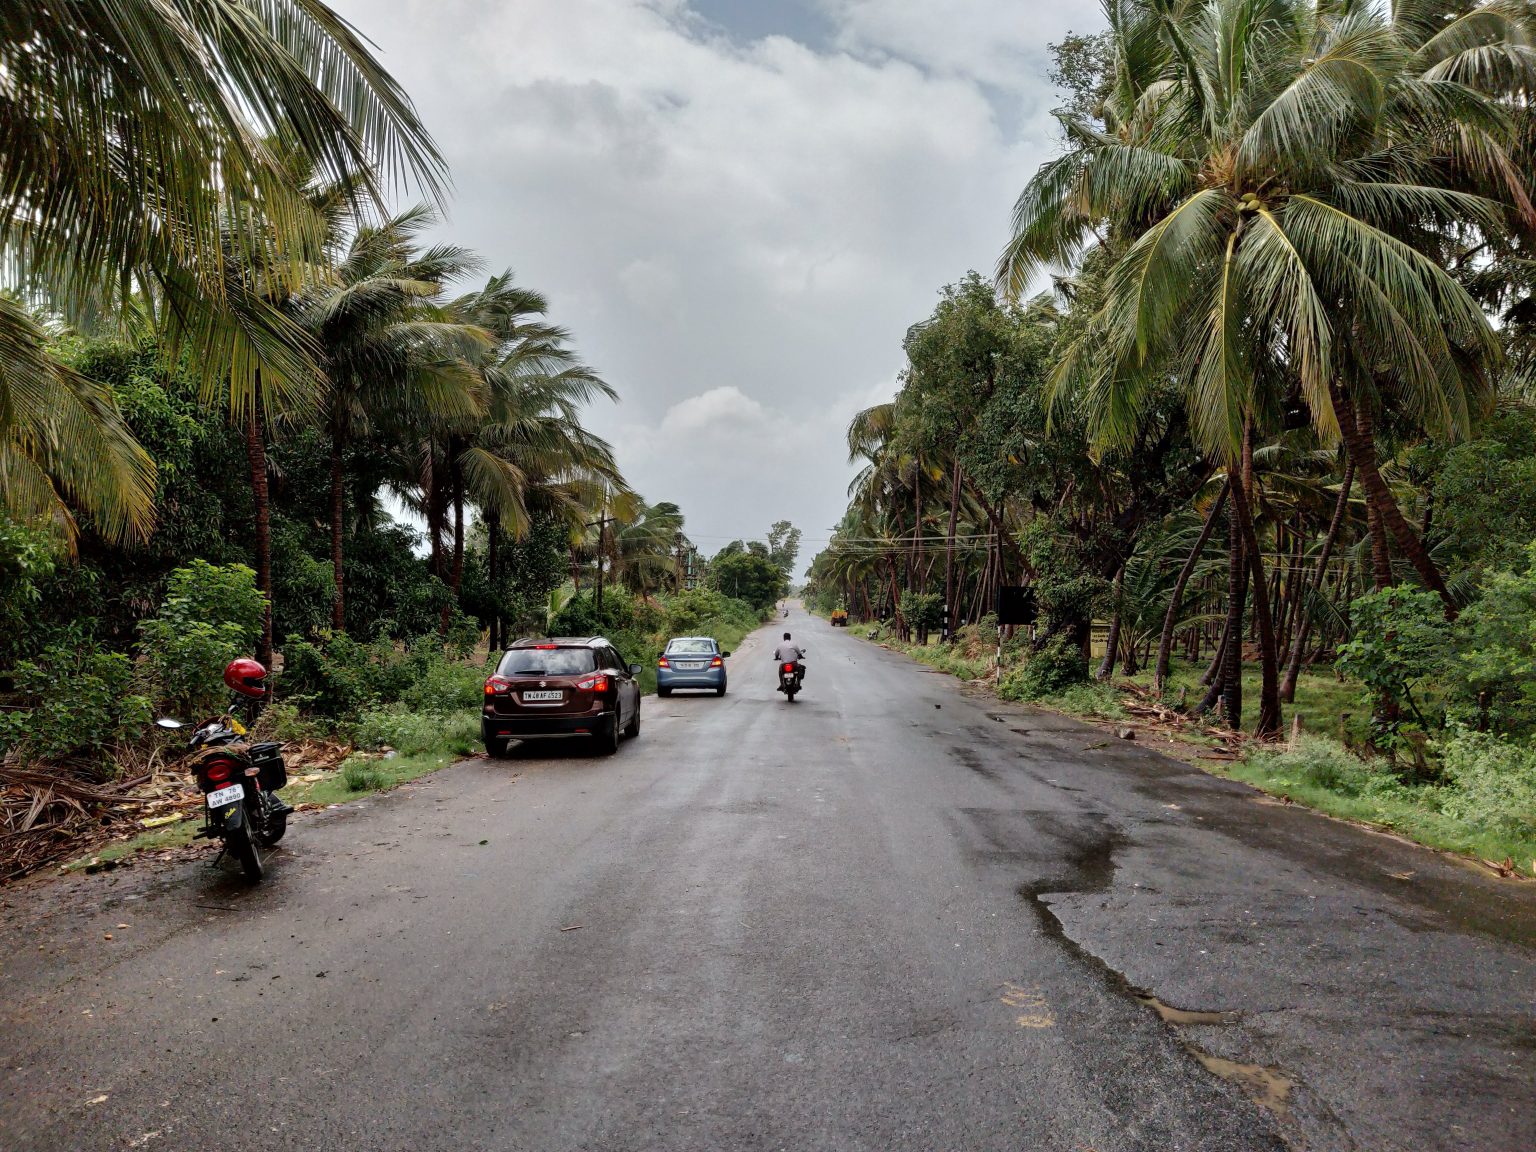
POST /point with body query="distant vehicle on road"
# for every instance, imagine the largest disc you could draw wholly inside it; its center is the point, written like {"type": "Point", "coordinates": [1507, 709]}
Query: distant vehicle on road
{"type": "Point", "coordinates": [839, 618]}
{"type": "Point", "coordinates": [691, 662]}
{"type": "Point", "coordinates": [561, 689]}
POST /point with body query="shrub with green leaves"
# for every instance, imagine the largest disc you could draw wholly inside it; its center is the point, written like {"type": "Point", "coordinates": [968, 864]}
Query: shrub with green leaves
{"type": "Point", "coordinates": [1400, 637]}
{"type": "Point", "coordinates": [1492, 682]}
{"type": "Point", "coordinates": [210, 615]}
{"type": "Point", "coordinates": [1492, 783]}
{"type": "Point", "coordinates": [76, 700]}
{"type": "Point", "coordinates": [1049, 672]}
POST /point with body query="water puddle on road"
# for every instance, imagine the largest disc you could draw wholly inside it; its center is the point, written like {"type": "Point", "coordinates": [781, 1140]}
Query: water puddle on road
{"type": "Point", "coordinates": [1173, 1015]}
{"type": "Point", "coordinates": [1264, 1086]}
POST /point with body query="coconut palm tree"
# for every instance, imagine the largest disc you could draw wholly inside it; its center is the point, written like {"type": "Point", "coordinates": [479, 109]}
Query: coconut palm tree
{"type": "Point", "coordinates": [131, 133]}
{"type": "Point", "coordinates": [391, 353]}
{"type": "Point", "coordinates": [1277, 180]}
{"type": "Point", "coordinates": [529, 452]}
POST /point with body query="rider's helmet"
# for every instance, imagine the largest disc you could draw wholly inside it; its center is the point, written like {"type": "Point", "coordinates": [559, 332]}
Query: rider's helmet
{"type": "Point", "coordinates": [786, 635]}
{"type": "Point", "coordinates": [247, 677]}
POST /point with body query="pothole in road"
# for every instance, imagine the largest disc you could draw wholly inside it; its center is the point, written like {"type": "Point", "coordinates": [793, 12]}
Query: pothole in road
{"type": "Point", "coordinates": [1092, 869]}
{"type": "Point", "coordinates": [1266, 1087]}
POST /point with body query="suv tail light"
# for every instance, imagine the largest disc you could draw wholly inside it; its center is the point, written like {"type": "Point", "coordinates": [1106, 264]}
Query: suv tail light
{"type": "Point", "coordinates": [498, 686]}
{"type": "Point", "coordinates": [598, 683]}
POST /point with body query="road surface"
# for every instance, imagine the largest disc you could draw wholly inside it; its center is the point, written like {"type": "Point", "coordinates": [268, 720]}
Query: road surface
{"type": "Point", "coordinates": [892, 915]}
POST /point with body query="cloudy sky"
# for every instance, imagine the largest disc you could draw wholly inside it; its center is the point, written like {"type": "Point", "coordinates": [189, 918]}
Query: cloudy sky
{"type": "Point", "coordinates": [737, 206]}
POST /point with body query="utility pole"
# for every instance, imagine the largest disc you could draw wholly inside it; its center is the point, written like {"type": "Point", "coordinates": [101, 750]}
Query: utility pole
{"type": "Point", "coordinates": [680, 562]}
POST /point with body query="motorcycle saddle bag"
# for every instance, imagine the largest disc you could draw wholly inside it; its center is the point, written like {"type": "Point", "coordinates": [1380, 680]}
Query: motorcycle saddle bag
{"type": "Point", "coordinates": [267, 757]}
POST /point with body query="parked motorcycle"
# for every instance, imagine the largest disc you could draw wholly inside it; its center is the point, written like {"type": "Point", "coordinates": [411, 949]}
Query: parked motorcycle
{"type": "Point", "coordinates": [790, 677]}
{"type": "Point", "coordinates": [239, 780]}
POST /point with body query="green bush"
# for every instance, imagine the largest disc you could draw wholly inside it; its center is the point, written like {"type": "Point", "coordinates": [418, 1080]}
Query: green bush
{"type": "Point", "coordinates": [335, 676]}
{"type": "Point", "coordinates": [1493, 679]}
{"type": "Point", "coordinates": [1491, 783]}
{"type": "Point", "coordinates": [412, 733]}
{"type": "Point", "coordinates": [1323, 763]}
{"type": "Point", "coordinates": [77, 700]}
{"type": "Point", "coordinates": [1399, 637]}
{"type": "Point", "coordinates": [364, 774]}
{"type": "Point", "coordinates": [1049, 672]}
{"type": "Point", "coordinates": [210, 615]}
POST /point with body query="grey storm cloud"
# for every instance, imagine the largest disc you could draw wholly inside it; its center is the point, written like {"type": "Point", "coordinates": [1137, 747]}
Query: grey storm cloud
{"type": "Point", "coordinates": [738, 207]}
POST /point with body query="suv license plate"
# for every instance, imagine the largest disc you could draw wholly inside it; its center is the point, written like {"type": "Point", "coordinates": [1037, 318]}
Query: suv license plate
{"type": "Point", "coordinates": [231, 795]}
{"type": "Point", "coordinates": [542, 697]}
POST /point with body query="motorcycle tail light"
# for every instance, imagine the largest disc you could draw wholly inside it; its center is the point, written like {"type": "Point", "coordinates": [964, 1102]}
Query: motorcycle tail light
{"type": "Point", "coordinates": [789, 667]}
{"type": "Point", "coordinates": [217, 770]}
{"type": "Point", "coordinates": [498, 686]}
{"type": "Point", "coordinates": [598, 683]}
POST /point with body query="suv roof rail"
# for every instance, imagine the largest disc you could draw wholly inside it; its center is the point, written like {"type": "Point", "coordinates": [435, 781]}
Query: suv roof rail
{"type": "Point", "coordinates": [588, 640]}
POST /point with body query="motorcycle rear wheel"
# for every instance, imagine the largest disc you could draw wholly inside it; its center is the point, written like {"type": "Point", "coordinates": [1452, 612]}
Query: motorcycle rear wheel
{"type": "Point", "coordinates": [243, 849]}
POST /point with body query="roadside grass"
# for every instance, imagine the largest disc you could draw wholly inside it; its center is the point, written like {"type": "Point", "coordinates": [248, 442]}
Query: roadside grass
{"type": "Point", "coordinates": [1326, 704]}
{"type": "Point", "coordinates": [1469, 817]}
{"type": "Point", "coordinates": [1321, 773]}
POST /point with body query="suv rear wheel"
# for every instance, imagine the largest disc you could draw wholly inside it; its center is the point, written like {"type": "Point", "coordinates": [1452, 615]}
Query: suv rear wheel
{"type": "Point", "coordinates": [632, 729]}
{"type": "Point", "coordinates": [608, 742]}
{"type": "Point", "coordinates": [497, 748]}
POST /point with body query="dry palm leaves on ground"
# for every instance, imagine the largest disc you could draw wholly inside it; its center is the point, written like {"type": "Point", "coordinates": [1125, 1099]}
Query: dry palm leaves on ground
{"type": "Point", "coordinates": [52, 812]}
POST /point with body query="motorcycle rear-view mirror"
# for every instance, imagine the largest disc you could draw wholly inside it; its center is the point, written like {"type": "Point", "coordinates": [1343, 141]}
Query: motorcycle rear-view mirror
{"type": "Point", "coordinates": [167, 722]}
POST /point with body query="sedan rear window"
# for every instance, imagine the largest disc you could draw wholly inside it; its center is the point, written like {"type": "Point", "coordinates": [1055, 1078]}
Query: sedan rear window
{"type": "Point", "coordinates": [547, 662]}
{"type": "Point", "coordinates": [692, 647]}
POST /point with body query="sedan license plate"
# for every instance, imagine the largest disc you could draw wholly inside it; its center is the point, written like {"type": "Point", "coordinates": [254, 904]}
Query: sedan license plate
{"type": "Point", "coordinates": [551, 697]}
{"type": "Point", "coordinates": [691, 665]}
{"type": "Point", "coordinates": [231, 795]}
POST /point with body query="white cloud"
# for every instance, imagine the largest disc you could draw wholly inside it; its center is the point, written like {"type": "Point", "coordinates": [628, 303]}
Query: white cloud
{"type": "Point", "coordinates": [738, 231]}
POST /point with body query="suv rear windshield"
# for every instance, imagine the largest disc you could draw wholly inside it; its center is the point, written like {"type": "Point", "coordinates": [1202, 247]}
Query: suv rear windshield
{"type": "Point", "coordinates": [547, 662]}
{"type": "Point", "coordinates": [692, 647]}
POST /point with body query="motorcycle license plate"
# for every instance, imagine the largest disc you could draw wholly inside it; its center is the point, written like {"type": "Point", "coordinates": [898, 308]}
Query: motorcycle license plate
{"type": "Point", "coordinates": [553, 696]}
{"type": "Point", "coordinates": [231, 795]}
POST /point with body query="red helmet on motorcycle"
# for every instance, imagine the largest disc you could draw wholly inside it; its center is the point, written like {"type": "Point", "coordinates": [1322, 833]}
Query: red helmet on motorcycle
{"type": "Point", "coordinates": [247, 677]}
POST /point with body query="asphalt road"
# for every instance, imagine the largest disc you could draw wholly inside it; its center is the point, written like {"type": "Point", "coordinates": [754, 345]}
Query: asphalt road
{"type": "Point", "coordinates": [889, 916]}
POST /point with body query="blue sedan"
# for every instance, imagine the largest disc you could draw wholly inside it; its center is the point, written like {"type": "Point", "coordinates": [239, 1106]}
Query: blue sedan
{"type": "Point", "coordinates": [691, 662]}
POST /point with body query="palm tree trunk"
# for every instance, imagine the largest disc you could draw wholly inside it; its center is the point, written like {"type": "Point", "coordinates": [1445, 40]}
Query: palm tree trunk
{"type": "Point", "coordinates": [1269, 656]}
{"type": "Point", "coordinates": [1360, 442]}
{"type": "Point", "coordinates": [1303, 613]}
{"type": "Point", "coordinates": [1112, 641]}
{"type": "Point", "coordinates": [1170, 621]}
{"type": "Point", "coordinates": [1381, 559]}
{"type": "Point", "coordinates": [492, 559]}
{"type": "Point", "coordinates": [338, 494]}
{"type": "Point", "coordinates": [949, 558]}
{"type": "Point", "coordinates": [456, 474]}
{"type": "Point", "coordinates": [256, 458]}
{"type": "Point", "coordinates": [1231, 678]}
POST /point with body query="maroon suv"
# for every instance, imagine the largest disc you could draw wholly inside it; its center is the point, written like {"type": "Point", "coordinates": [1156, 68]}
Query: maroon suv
{"type": "Point", "coordinates": [561, 689]}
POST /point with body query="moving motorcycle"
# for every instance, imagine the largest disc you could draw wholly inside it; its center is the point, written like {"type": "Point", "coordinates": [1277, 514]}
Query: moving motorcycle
{"type": "Point", "coordinates": [790, 678]}
{"type": "Point", "coordinates": [239, 780]}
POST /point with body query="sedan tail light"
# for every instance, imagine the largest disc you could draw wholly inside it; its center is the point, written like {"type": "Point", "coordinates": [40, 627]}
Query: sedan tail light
{"type": "Point", "coordinates": [662, 663]}
{"type": "Point", "coordinates": [498, 686]}
{"type": "Point", "coordinates": [717, 663]}
{"type": "Point", "coordinates": [598, 683]}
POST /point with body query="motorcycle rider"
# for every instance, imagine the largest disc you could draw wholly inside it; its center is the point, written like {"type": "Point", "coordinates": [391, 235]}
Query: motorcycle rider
{"type": "Point", "coordinates": [789, 652]}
